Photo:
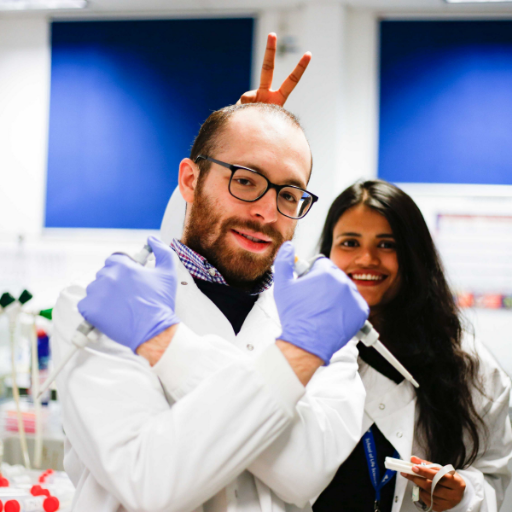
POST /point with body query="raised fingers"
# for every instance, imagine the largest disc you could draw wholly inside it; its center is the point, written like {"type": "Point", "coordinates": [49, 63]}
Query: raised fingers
{"type": "Point", "coordinates": [294, 77]}
{"type": "Point", "coordinates": [267, 69]}
{"type": "Point", "coordinates": [248, 97]}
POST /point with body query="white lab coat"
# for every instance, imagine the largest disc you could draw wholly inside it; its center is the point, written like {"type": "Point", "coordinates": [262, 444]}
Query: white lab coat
{"type": "Point", "coordinates": [392, 408]}
{"type": "Point", "coordinates": [220, 423]}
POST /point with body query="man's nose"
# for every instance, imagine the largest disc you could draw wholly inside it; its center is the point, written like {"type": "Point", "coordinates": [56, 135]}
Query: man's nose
{"type": "Point", "coordinates": [368, 257]}
{"type": "Point", "coordinates": [265, 208]}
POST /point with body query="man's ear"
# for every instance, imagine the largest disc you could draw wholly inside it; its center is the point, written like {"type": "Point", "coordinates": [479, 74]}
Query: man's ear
{"type": "Point", "coordinates": [187, 179]}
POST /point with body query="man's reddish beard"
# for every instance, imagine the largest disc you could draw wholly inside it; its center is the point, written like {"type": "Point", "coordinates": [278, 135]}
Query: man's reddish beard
{"type": "Point", "coordinates": [206, 234]}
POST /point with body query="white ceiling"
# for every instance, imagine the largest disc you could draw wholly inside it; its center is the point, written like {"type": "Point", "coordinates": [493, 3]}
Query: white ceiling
{"type": "Point", "coordinates": [380, 5]}
{"type": "Point", "coordinates": [176, 7]}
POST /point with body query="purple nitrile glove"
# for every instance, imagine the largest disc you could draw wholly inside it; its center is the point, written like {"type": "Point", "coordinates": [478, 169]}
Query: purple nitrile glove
{"type": "Point", "coordinates": [130, 303]}
{"type": "Point", "coordinates": [319, 312]}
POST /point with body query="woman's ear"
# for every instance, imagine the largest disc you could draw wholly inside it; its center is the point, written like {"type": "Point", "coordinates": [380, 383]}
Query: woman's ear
{"type": "Point", "coordinates": [187, 179]}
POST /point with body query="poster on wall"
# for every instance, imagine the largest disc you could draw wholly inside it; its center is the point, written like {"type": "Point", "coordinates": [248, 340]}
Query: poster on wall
{"type": "Point", "coordinates": [477, 254]}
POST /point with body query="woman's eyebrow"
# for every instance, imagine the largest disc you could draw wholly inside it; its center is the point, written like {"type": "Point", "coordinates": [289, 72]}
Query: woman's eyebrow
{"type": "Point", "coordinates": [349, 233]}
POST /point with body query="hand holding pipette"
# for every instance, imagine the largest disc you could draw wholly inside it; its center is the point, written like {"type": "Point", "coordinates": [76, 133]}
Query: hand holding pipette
{"type": "Point", "coordinates": [129, 303]}
{"type": "Point", "coordinates": [86, 332]}
{"type": "Point", "coordinates": [367, 334]}
{"type": "Point", "coordinates": [319, 313]}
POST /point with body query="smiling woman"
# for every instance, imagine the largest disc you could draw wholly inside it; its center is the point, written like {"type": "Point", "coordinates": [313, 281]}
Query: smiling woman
{"type": "Point", "coordinates": [364, 247]}
{"type": "Point", "coordinates": [377, 235]}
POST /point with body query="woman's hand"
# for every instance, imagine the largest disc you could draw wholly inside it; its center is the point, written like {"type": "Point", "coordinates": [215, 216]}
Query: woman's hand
{"type": "Point", "coordinates": [264, 94]}
{"type": "Point", "coordinates": [448, 492]}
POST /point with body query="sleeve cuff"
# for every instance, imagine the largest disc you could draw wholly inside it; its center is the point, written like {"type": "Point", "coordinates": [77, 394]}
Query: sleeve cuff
{"type": "Point", "coordinates": [190, 358]}
{"type": "Point", "coordinates": [280, 378]}
{"type": "Point", "coordinates": [467, 499]}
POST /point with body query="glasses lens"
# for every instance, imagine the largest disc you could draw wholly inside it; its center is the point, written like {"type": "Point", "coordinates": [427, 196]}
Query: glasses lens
{"type": "Point", "coordinates": [247, 185]}
{"type": "Point", "coordinates": [294, 202]}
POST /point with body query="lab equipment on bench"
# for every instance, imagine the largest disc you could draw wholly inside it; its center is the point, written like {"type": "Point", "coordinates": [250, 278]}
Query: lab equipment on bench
{"type": "Point", "coordinates": [86, 333]}
{"type": "Point", "coordinates": [23, 490]}
{"type": "Point", "coordinates": [20, 319]}
{"type": "Point", "coordinates": [12, 308]}
{"type": "Point", "coordinates": [367, 334]}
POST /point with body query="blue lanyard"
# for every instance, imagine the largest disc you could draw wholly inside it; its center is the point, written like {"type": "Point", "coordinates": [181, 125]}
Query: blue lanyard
{"type": "Point", "coordinates": [373, 466]}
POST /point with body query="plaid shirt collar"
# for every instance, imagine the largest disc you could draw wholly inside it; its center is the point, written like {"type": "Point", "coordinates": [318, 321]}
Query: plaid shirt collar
{"type": "Point", "coordinates": [199, 268]}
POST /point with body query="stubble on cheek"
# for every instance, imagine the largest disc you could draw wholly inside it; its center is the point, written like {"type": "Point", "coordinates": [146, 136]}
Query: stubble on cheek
{"type": "Point", "coordinates": [207, 234]}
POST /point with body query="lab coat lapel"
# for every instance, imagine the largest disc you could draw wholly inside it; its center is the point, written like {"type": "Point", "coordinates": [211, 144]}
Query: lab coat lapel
{"type": "Point", "coordinates": [393, 411]}
{"type": "Point", "coordinates": [196, 310]}
{"type": "Point", "coordinates": [394, 415]}
{"type": "Point", "coordinates": [199, 313]}
{"type": "Point", "coordinates": [263, 318]}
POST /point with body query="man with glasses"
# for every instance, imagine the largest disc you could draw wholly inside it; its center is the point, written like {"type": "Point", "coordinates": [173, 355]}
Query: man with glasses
{"type": "Point", "coordinates": [195, 397]}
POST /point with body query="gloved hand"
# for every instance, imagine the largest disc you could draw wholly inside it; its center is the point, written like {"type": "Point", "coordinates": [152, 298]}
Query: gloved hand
{"type": "Point", "coordinates": [319, 312]}
{"type": "Point", "coordinates": [130, 303]}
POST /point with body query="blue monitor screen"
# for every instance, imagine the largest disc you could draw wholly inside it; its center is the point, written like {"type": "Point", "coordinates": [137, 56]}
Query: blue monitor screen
{"type": "Point", "coordinates": [446, 102]}
{"type": "Point", "coordinates": [127, 100]}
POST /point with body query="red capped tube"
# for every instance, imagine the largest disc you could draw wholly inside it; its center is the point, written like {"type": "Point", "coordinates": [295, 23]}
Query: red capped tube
{"type": "Point", "coordinates": [12, 506]}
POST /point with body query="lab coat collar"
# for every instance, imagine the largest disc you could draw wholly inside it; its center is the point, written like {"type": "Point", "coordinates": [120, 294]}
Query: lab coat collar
{"type": "Point", "coordinates": [192, 304]}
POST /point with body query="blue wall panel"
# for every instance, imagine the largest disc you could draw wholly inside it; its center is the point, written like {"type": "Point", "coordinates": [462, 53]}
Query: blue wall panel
{"type": "Point", "coordinates": [446, 102]}
{"type": "Point", "coordinates": [127, 99]}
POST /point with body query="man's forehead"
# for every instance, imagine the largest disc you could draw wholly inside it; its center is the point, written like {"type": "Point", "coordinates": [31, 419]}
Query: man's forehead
{"type": "Point", "coordinates": [252, 119]}
{"type": "Point", "coordinates": [252, 136]}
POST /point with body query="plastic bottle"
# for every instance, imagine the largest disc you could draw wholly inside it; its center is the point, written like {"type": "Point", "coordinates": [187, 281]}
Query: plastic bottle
{"type": "Point", "coordinates": [43, 359]}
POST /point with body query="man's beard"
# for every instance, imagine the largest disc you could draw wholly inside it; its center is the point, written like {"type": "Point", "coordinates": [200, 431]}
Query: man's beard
{"type": "Point", "coordinates": [206, 234]}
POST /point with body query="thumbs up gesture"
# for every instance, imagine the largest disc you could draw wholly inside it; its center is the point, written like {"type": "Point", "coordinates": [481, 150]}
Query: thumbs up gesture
{"type": "Point", "coordinates": [130, 303]}
{"type": "Point", "coordinates": [319, 312]}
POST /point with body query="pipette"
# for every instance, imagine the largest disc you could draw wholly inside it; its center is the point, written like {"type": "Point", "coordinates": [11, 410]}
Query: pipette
{"type": "Point", "coordinates": [86, 333]}
{"type": "Point", "coordinates": [368, 335]}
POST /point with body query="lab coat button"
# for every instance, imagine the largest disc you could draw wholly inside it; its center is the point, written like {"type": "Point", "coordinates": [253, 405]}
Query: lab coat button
{"type": "Point", "coordinates": [250, 347]}
{"type": "Point", "coordinates": [211, 271]}
{"type": "Point", "coordinates": [399, 434]}
{"type": "Point", "coordinates": [382, 407]}
{"type": "Point", "coordinates": [396, 499]}
{"type": "Point", "coordinates": [184, 282]}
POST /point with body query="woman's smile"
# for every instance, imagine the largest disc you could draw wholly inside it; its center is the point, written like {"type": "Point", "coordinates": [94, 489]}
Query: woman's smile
{"type": "Point", "coordinates": [367, 277]}
{"type": "Point", "coordinates": [364, 248]}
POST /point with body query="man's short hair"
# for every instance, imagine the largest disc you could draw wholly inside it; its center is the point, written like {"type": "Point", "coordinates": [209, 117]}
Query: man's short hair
{"type": "Point", "coordinates": [209, 135]}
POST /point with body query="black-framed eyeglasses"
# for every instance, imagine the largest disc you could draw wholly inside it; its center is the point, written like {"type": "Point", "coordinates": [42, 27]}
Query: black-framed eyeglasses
{"type": "Point", "coordinates": [249, 186]}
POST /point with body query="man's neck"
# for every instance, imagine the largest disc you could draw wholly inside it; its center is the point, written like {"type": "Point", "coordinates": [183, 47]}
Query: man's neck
{"type": "Point", "coordinates": [201, 268]}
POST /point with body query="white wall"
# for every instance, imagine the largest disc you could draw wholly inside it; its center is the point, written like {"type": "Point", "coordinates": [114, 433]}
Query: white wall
{"type": "Point", "coordinates": [24, 107]}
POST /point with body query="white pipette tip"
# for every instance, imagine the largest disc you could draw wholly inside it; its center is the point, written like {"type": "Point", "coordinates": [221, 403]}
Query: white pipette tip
{"type": "Point", "coordinates": [390, 358]}
{"type": "Point", "coordinates": [56, 372]}
{"type": "Point", "coordinates": [370, 337]}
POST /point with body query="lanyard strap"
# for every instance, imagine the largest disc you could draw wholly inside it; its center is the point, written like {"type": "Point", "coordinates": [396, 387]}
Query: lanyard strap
{"type": "Point", "coordinates": [370, 451]}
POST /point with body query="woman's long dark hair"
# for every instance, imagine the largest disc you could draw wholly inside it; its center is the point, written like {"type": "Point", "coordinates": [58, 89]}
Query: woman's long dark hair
{"type": "Point", "coordinates": [421, 326]}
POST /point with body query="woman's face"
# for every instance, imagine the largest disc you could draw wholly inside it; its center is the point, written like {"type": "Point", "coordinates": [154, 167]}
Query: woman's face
{"type": "Point", "coordinates": [364, 248]}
